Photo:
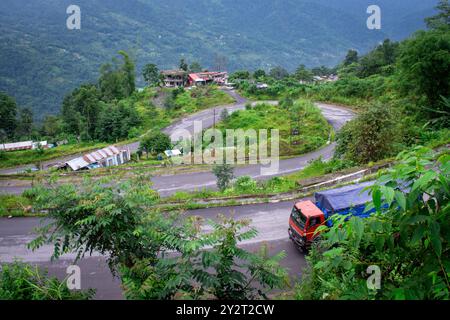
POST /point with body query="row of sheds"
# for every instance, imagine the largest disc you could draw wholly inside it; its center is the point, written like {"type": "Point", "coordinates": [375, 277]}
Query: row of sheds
{"type": "Point", "coordinates": [23, 145]}
{"type": "Point", "coordinates": [106, 157]}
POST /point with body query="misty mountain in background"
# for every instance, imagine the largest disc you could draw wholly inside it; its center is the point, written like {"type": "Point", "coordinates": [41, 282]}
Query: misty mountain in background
{"type": "Point", "coordinates": [41, 60]}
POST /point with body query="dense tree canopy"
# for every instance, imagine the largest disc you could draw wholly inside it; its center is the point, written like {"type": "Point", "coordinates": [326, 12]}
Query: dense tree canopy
{"type": "Point", "coordinates": [377, 61]}
{"type": "Point", "coordinates": [151, 74]}
{"type": "Point", "coordinates": [240, 75]}
{"type": "Point", "coordinates": [442, 19]}
{"type": "Point", "coordinates": [351, 57]}
{"type": "Point", "coordinates": [279, 73]}
{"type": "Point", "coordinates": [303, 74]}
{"type": "Point", "coordinates": [25, 124]}
{"type": "Point", "coordinates": [183, 65]}
{"type": "Point", "coordinates": [195, 67]}
{"type": "Point", "coordinates": [129, 70]}
{"type": "Point", "coordinates": [8, 113]}
{"type": "Point", "coordinates": [117, 81]}
{"type": "Point", "coordinates": [155, 143]}
{"type": "Point", "coordinates": [258, 74]}
{"type": "Point", "coordinates": [99, 111]}
{"type": "Point", "coordinates": [116, 121]}
{"type": "Point", "coordinates": [424, 67]}
{"type": "Point", "coordinates": [80, 111]}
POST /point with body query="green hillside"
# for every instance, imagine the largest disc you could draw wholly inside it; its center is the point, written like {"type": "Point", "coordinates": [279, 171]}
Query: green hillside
{"type": "Point", "coordinates": [42, 60]}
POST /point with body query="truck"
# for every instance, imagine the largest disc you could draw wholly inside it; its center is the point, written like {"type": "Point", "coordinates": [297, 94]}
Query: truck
{"type": "Point", "coordinates": [307, 216]}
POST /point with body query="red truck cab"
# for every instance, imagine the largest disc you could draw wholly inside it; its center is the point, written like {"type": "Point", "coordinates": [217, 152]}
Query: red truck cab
{"type": "Point", "coordinates": [305, 218]}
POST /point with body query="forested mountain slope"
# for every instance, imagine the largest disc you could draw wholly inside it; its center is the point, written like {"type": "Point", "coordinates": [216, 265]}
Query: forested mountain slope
{"type": "Point", "coordinates": [41, 60]}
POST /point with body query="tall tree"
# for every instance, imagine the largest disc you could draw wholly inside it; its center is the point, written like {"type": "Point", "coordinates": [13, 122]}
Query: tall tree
{"type": "Point", "coordinates": [303, 74]}
{"type": "Point", "coordinates": [195, 67]}
{"type": "Point", "coordinates": [117, 81]}
{"type": "Point", "coordinates": [376, 61]}
{"type": "Point", "coordinates": [155, 143]}
{"type": "Point", "coordinates": [442, 19]}
{"type": "Point", "coordinates": [240, 75]}
{"type": "Point", "coordinates": [424, 67]}
{"type": "Point", "coordinates": [52, 126]}
{"type": "Point", "coordinates": [322, 71]}
{"type": "Point", "coordinates": [151, 74]}
{"type": "Point", "coordinates": [116, 121]}
{"type": "Point", "coordinates": [111, 83]}
{"type": "Point", "coordinates": [8, 114]}
{"type": "Point", "coordinates": [279, 73]}
{"type": "Point", "coordinates": [351, 57]}
{"type": "Point", "coordinates": [25, 124]}
{"type": "Point", "coordinates": [183, 65]}
{"type": "Point", "coordinates": [258, 74]}
{"type": "Point", "coordinates": [129, 69]}
{"type": "Point", "coordinates": [81, 110]}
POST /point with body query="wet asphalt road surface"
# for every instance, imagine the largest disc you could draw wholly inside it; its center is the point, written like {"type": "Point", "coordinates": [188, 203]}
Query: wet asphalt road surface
{"type": "Point", "coordinates": [271, 220]}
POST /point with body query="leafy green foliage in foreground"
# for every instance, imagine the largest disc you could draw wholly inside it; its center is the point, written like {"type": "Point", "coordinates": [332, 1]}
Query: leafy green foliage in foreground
{"type": "Point", "coordinates": [158, 255]}
{"type": "Point", "coordinates": [407, 238]}
{"type": "Point", "coordinates": [19, 281]}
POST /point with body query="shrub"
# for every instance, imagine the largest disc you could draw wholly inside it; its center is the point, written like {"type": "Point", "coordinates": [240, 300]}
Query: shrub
{"type": "Point", "coordinates": [224, 175]}
{"type": "Point", "coordinates": [159, 255]}
{"type": "Point", "coordinates": [155, 143]}
{"type": "Point", "coordinates": [372, 136]}
{"type": "Point", "coordinates": [20, 281]}
{"type": "Point", "coordinates": [407, 238]}
{"type": "Point", "coordinates": [245, 184]}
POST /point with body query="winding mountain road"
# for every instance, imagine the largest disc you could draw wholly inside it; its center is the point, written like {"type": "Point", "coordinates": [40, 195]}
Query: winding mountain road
{"type": "Point", "coordinates": [168, 184]}
{"type": "Point", "coordinates": [270, 219]}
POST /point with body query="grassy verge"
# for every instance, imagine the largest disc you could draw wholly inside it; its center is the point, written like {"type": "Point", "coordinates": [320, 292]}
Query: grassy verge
{"type": "Point", "coordinates": [16, 158]}
{"type": "Point", "coordinates": [15, 206]}
{"type": "Point", "coordinates": [302, 126]}
{"type": "Point", "coordinates": [243, 186]}
{"type": "Point", "coordinates": [197, 99]}
{"type": "Point", "coordinates": [246, 186]}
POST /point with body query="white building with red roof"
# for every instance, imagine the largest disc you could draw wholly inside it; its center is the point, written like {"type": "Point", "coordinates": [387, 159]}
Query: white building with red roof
{"type": "Point", "coordinates": [202, 78]}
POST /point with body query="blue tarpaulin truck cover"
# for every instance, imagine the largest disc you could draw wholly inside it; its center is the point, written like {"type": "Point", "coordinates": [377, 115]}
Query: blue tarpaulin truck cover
{"type": "Point", "coordinates": [344, 198]}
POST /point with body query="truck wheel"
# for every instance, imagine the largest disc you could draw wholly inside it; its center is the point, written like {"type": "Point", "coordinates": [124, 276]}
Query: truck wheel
{"type": "Point", "coordinates": [303, 249]}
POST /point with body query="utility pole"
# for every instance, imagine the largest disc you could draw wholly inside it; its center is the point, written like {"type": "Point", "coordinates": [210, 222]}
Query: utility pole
{"type": "Point", "coordinates": [214, 130]}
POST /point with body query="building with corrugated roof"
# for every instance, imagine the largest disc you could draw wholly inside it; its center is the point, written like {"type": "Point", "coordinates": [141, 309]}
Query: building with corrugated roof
{"type": "Point", "coordinates": [202, 78]}
{"type": "Point", "coordinates": [174, 78]}
{"type": "Point", "coordinates": [23, 145]}
{"type": "Point", "coordinates": [106, 157]}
